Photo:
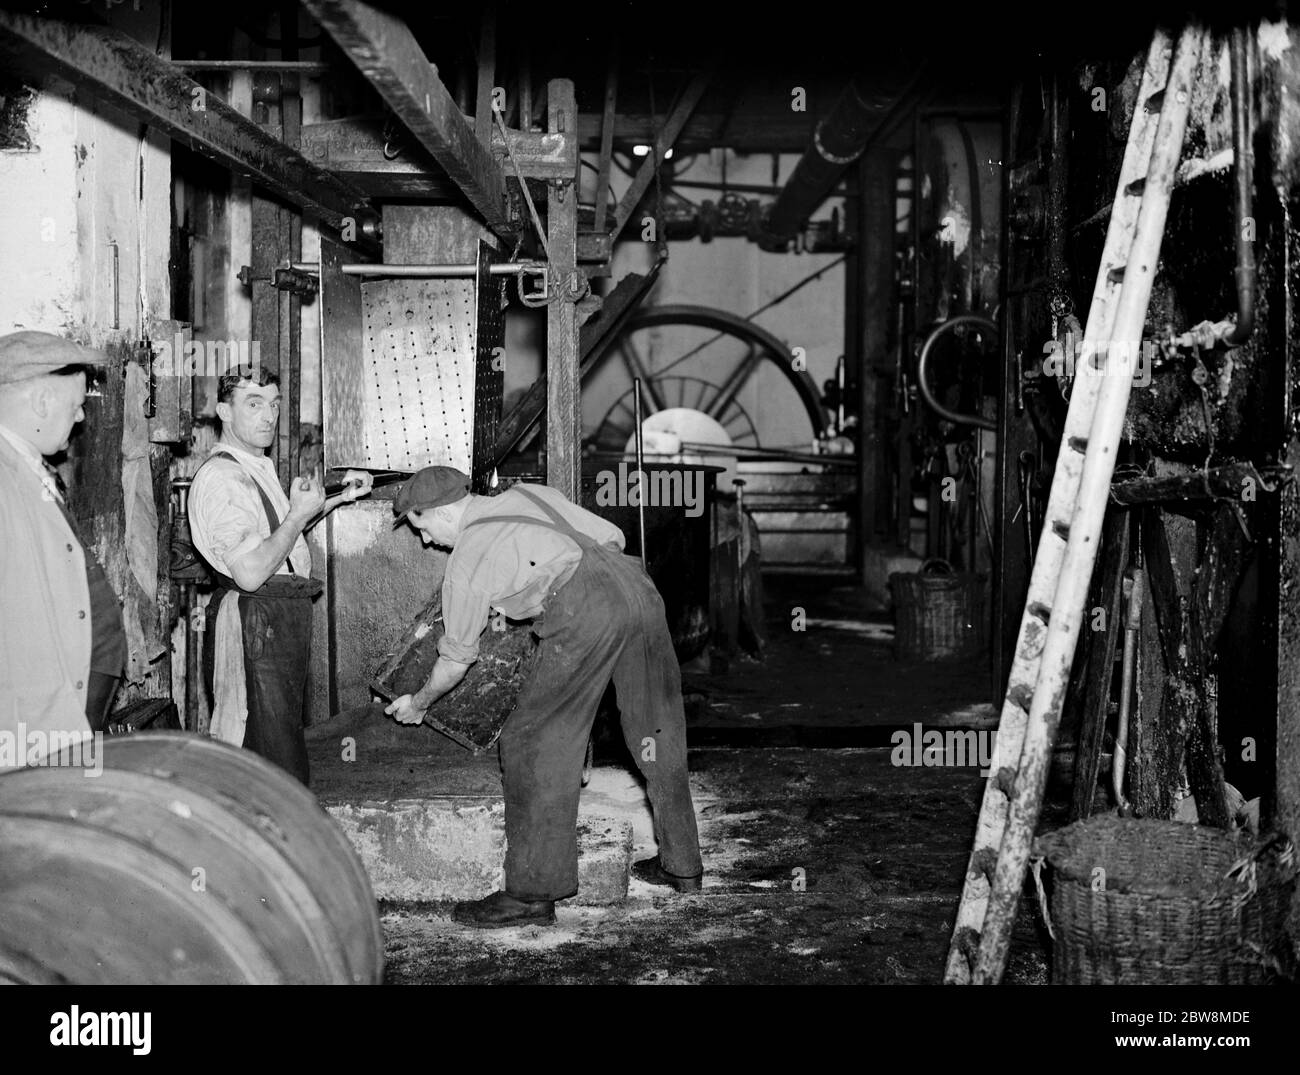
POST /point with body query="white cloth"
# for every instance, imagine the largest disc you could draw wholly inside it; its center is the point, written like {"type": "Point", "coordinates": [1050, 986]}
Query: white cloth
{"type": "Point", "coordinates": [229, 688]}
{"type": "Point", "coordinates": [137, 486]}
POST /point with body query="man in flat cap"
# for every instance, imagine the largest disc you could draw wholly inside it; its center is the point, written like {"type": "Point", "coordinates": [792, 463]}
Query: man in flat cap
{"type": "Point", "coordinates": [531, 554]}
{"type": "Point", "coordinates": [62, 644]}
{"type": "Point", "coordinates": [258, 641]}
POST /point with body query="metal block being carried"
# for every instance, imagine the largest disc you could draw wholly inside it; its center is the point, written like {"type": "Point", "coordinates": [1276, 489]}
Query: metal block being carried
{"type": "Point", "coordinates": [475, 710]}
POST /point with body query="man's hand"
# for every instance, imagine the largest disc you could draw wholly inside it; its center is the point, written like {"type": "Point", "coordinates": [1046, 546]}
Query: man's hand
{"type": "Point", "coordinates": [356, 484]}
{"type": "Point", "coordinates": [306, 498]}
{"type": "Point", "coordinates": [405, 710]}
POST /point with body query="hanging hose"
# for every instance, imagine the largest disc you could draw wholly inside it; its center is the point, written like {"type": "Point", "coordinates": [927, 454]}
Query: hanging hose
{"type": "Point", "coordinates": [934, 405]}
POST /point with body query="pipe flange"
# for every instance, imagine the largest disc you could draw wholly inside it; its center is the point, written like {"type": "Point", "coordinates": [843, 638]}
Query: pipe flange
{"type": "Point", "coordinates": [827, 155]}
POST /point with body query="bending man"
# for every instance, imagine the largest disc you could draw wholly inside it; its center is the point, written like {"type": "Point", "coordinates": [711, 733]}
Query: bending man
{"type": "Point", "coordinates": [531, 554]}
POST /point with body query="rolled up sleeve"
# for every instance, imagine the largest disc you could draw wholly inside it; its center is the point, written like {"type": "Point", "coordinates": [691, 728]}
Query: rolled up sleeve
{"type": "Point", "coordinates": [465, 610]}
{"type": "Point", "coordinates": [226, 519]}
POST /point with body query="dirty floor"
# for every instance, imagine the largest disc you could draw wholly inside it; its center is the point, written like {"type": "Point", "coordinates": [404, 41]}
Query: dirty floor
{"type": "Point", "coordinates": [825, 862]}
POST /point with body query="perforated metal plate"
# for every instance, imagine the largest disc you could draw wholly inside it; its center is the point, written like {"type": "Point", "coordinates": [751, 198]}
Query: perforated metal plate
{"type": "Point", "coordinates": [489, 367]}
{"type": "Point", "coordinates": [419, 358]}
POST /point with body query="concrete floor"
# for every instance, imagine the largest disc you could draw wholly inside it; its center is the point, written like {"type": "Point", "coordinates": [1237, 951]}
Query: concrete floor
{"type": "Point", "coordinates": [824, 862]}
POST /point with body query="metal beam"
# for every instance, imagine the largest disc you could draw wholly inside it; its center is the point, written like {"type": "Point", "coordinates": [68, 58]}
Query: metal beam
{"type": "Point", "coordinates": [851, 126]}
{"type": "Point", "coordinates": [387, 54]}
{"type": "Point", "coordinates": [130, 76]}
{"type": "Point", "coordinates": [662, 144]}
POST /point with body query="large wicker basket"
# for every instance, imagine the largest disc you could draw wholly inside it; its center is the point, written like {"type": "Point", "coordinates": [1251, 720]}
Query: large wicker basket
{"type": "Point", "coordinates": [938, 613]}
{"type": "Point", "coordinates": [1138, 901]}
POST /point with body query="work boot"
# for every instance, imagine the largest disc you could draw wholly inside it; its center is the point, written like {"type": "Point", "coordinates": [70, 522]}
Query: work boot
{"type": "Point", "coordinates": [650, 871]}
{"type": "Point", "coordinates": [500, 910]}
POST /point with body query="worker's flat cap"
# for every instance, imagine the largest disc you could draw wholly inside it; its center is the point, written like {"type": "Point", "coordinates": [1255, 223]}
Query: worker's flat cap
{"type": "Point", "coordinates": [24, 355]}
{"type": "Point", "coordinates": [431, 487]}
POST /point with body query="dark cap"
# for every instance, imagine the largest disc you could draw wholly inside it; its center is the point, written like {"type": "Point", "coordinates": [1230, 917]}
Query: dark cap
{"type": "Point", "coordinates": [431, 487]}
{"type": "Point", "coordinates": [24, 355]}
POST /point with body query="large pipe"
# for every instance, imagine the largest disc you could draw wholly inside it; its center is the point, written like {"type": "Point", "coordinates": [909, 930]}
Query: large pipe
{"type": "Point", "coordinates": [846, 132]}
{"type": "Point", "coordinates": [1243, 174]}
{"type": "Point", "coordinates": [924, 387]}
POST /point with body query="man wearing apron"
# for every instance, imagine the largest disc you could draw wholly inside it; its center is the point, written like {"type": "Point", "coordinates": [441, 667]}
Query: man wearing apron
{"type": "Point", "coordinates": [530, 553]}
{"type": "Point", "coordinates": [257, 645]}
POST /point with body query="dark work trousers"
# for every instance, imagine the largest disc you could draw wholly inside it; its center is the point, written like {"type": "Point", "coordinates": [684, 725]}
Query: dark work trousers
{"type": "Point", "coordinates": [101, 689]}
{"type": "Point", "coordinates": [607, 622]}
{"type": "Point", "coordinates": [277, 650]}
{"type": "Point", "coordinates": [276, 621]}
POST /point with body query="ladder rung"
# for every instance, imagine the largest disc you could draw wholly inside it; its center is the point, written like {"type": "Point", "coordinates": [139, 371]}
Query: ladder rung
{"type": "Point", "coordinates": [1021, 696]}
{"type": "Point", "coordinates": [1005, 781]}
{"type": "Point", "coordinates": [968, 944]}
{"type": "Point", "coordinates": [985, 862]}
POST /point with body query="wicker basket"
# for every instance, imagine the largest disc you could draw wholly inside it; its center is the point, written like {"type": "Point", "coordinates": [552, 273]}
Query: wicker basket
{"type": "Point", "coordinates": [1140, 902]}
{"type": "Point", "coordinates": [938, 613]}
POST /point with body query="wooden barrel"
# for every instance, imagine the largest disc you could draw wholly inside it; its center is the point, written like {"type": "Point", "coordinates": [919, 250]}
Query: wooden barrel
{"type": "Point", "coordinates": [184, 861]}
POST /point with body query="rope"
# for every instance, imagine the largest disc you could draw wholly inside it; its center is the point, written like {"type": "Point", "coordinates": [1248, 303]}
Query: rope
{"type": "Point", "coordinates": [556, 289]}
{"type": "Point", "coordinates": [532, 209]}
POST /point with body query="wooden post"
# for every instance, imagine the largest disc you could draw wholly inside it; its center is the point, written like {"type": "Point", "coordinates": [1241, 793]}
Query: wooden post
{"type": "Point", "coordinates": [563, 406]}
{"type": "Point", "coordinates": [876, 223]}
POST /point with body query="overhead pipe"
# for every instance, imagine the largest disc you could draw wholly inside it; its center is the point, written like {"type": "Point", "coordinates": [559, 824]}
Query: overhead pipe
{"type": "Point", "coordinates": [841, 137]}
{"type": "Point", "coordinates": [1243, 159]}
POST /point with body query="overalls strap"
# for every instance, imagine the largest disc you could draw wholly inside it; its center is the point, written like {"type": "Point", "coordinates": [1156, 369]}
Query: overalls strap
{"type": "Point", "coordinates": [557, 523]}
{"type": "Point", "coordinates": [295, 585]}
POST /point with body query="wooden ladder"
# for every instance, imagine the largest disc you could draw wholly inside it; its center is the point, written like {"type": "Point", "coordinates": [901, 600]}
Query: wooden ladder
{"type": "Point", "coordinates": [1058, 586]}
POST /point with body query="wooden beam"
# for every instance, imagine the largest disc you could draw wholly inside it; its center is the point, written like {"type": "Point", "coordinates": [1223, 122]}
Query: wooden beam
{"type": "Point", "coordinates": [387, 54]}
{"type": "Point", "coordinates": [1090, 690]}
{"type": "Point", "coordinates": [356, 146]}
{"type": "Point", "coordinates": [662, 144]}
{"type": "Point", "coordinates": [130, 76]}
{"type": "Point", "coordinates": [563, 400]}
